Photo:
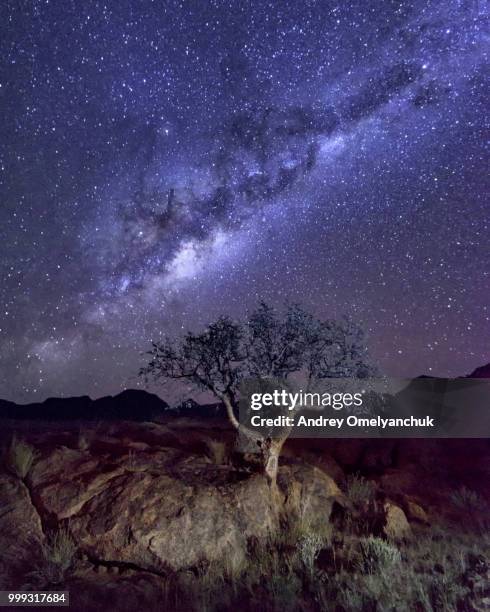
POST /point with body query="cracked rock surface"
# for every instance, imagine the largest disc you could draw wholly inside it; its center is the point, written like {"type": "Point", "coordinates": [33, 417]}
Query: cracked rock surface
{"type": "Point", "coordinates": [133, 504]}
{"type": "Point", "coordinates": [145, 507]}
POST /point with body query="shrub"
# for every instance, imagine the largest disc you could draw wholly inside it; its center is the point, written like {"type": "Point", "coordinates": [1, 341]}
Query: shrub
{"type": "Point", "coordinates": [58, 556]}
{"type": "Point", "coordinates": [61, 549]}
{"type": "Point", "coordinates": [377, 555]}
{"type": "Point", "coordinates": [216, 451]}
{"type": "Point", "coordinates": [284, 591]}
{"type": "Point", "coordinates": [20, 457]}
{"type": "Point", "coordinates": [309, 547]}
{"type": "Point", "coordinates": [83, 442]}
{"type": "Point", "coordinates": [466, 499]}
{"type": "Point", "coordinates": [359, 490]}
{"type": "Point", "coordinates": [444, 592]}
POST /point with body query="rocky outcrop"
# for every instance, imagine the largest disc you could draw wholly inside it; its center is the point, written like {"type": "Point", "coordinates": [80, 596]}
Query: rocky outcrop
{"type": "Point", "coordinates": [161, 523]}
{"type": "Point", "coordinates": [310, 496]}
{"type": "Point", "coordinates": [21, 525]}
{"type": "Point", "coordinates": [147, 508]}
{"type": "Point", "coordinates": [164, 511]}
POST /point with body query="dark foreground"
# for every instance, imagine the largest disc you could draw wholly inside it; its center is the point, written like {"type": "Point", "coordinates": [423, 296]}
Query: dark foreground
{"type": "Point", "coordinates": [167, 516]}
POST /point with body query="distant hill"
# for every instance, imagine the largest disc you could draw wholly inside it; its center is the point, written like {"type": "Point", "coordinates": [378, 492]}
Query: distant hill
{"type": "Point", "coordinates": [129, 405]}
{"type": "Point", "coordinates": [481, 372]}
{"type": "Point", "coordinates": [132, 404]}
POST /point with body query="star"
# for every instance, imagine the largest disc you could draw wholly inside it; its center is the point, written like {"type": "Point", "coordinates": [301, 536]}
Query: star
{"type": "Point", "coordinates": [164, 164]}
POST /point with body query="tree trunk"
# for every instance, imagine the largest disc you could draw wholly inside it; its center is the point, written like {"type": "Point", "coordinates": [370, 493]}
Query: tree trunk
{"type": "Point", "coordinates": [271, 449]}
{"type": "Point", "coordinates": [252, 435]}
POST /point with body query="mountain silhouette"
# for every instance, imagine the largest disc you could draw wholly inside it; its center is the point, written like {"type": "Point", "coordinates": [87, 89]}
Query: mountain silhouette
{"type": "Point", "coordinates": [131, 404]}
{"type": "Point", "coordinates": [481, 372]}
{"type": "Point", "coordinates": [136, 405]}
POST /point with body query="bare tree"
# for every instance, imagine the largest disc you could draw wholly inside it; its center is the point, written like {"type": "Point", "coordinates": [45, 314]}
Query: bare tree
{"type": "Point", "coordinates": [267, 345]}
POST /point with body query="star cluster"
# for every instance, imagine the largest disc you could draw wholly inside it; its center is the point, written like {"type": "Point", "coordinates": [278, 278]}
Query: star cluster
{"type": "Point", "coordinates": [164, 162]}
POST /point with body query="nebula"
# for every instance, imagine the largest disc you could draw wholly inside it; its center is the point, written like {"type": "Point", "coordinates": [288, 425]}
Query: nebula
{"type": "Point", "coordinates": [164, 163]}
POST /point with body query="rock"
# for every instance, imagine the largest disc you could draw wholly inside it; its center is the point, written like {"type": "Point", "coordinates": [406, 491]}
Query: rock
{"type": "Point", "coordinates": [415, 512]}
{"type": "Point", "coordinates": [318, 458]}
{"type": "Point", "coordinates": [310, 495]}
{"type": "Point", "coordinates": [138, 445]}
{"type": "Point", "coordinates": [396, 525]}
{"type": "Point", "coordinates": [161, 516]}
{"type": "Point", "coordinates": [173, 512]}
{"type": "Point", "coordinates": [328, 465]}
{"type": "Point", "coordinates": [20, 526]}
{"type": "Point", "coordinates": [160, 523]}
{"type": "Point", "coordinates": [67, 479]}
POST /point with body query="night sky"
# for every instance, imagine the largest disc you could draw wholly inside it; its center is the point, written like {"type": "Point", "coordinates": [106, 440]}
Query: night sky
{"type": "Point", "coordinates": [162, 163]}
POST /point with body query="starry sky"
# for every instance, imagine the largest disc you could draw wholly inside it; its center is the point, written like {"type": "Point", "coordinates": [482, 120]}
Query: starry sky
{"type": "Point", "coordinates": [165, 162]}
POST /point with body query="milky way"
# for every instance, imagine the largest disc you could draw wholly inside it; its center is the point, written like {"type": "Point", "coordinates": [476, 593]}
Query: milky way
{"type": "Point", "coordinates": [163, 163]}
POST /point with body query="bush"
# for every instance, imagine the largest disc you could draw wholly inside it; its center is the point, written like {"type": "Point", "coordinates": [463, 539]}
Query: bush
{"type": "Point", "coordinates": [61, 549]}
{"type": "Point", "coordinates": [309, 547]}
{"type": "Point", "coordinates": [216, 451]}
{"type": "Point", "coordinates": [20, 457]}
{"type": "Point", "coordinates": [377, 555]}
{"type": "Point", "coordinates": [445, 592]}
{"type": "Point", "coordinates": [466, 499]}
{"type": "Point", "coordinates": [84, 442]}
{"type": "Point", "coordinates": [58, 556]}
{"type": "Point", "coordinates": [359, 490]}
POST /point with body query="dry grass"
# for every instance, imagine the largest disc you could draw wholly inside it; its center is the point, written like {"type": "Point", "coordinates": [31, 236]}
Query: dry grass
{"type": "Point", "coordinates": [377, 555]}
{"type": "Point", "coordinates": [359, 490]}
{"type": "Point", "coordinates": [466, 499]}
{"type": "Point", "coordinates": [217, 451]}
{"type": "Point", "coordinates": [20, 457]}
{"type": "Point", "coordinates": [58, 558]}
{"type": "Point", "coordinates": [61, 549]}
{"type": "Point", "coordinates": [438, 571]}
{"type": "Point", "coordinates": [84, 441]}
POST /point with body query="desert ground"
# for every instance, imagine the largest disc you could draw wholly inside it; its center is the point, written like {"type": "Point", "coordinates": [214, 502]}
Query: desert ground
{"type": "Point", "coordinates": [169, 515]}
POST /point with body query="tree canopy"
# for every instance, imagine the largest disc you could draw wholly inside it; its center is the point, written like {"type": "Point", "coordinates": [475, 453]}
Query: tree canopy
{"type": "Point", "coordinates": [267, 344]}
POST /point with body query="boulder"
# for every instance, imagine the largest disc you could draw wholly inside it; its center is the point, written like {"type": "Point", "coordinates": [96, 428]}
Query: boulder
{"type": "Point", "coordinates": [159, 522]}
{"type": "Point", "coordinates": [160, 512]}
{"type": "Point", "coordinates": [315, 457]}
{"type": "Point", "coordinates": [66, 479]}
{"type": "Point", "coordinates": [328, 464]}
{"type": "Point", "coordinates": [415, 512]}
{"type": "Point", "coordinates": [310, 495]}
{"type": "Point", "coordinates": [396, 526]}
